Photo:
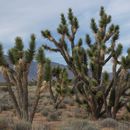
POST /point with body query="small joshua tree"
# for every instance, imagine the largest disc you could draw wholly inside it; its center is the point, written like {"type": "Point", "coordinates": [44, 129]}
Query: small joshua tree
{"type": "Point", "coordinates": [48, 78]}
{"type": "Point", "coordinates": [16, 74]}
{"type": "Point", "coordinates": [102, 94]}
{"type": "Point", "coordinates": [59, 78]}
{"type": "Point", "coordinates": [61, 83]}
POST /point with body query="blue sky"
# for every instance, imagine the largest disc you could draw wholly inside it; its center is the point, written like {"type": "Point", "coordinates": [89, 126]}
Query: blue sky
{"type": "Point", "coordinates": [23, 17]}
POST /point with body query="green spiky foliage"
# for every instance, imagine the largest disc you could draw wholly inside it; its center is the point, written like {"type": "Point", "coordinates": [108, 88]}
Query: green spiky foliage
{"type": "Point", "coordinates": [61, 80]}
{"type": "Point", "coordinates": [17, 75]}
{"type": "Point", "coordinates": [102, 94]}
{"type": "Point", "coordinates": [40, 56]}
{"type": "Point", "coordinates": [30, 52]}
{"type": "Point", "coordinates": [61, 83]}
{"type": "Point", "coordinates": [57, 79]}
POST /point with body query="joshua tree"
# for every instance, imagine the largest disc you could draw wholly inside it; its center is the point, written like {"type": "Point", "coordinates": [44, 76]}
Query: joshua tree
{"type": "Point", "coordinates": [16, 74]}
{"type": "Point", "coordinates": [103, 95]}
{"type": "Point", "coordinates": [48, 78]}
{"type": "Point", "coordinates": [57, 80]}
{"type": "Point", "coordinates": [61, 83]}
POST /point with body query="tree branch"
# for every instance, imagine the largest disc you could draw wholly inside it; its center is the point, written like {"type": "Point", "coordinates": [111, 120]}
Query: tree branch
{"type": "Point", "coordinates": [107, 59]}
{"type": "Point", "coordinates": [50, 48]}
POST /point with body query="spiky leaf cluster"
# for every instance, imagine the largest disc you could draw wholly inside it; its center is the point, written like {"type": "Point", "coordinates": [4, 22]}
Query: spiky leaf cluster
{"type": "Point", "coordinates": [29, 54]}
{"type": "Point", "coordinates": [80, 57]}
{"type": "Point", "coordinates": [126, 60]}
{"type": "Point", "coordinates": [40, 56]}
{"type": "Point", "coordinates": [18, 52]}
{"type": "Point", "coordinates": [56, 71]}
{"type": "Point", "coordinates": [73, 21]}
{"type": "Point", "coordinates": [62, 80]}
{"type": "Point", "coordinates": [65, 29]}
{"type": "Point", "coordinates": [46, 34]}
{"type": "Point", "coordinates": [94, 26]}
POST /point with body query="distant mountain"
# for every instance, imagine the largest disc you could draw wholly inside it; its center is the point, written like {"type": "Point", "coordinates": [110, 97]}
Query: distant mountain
{"type": "Point", "coordinates": [33, 70]}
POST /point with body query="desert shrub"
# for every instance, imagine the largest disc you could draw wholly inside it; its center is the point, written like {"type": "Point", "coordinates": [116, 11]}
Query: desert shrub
{"type": "Point", "coordinates": [54, 116]}
{"type": "Point", "coordinates": [45, 112]}
{"type": "Point", "coordinates": [59, 113]}
{"type": "Point", "coordinates": [89, 127]}
{"type": "Point", "coordinates": [78, 125]}
{"type": "Point", "coordinates": [5, 102]}
{"type": "Point", "coordinates": [22, 125]}
{"type": "Point", "coordinates": [68, 101]}
{"type": "Point", "coordinates": [6, 123]}
{"type": "Point", "coordinates": [41, 127]}
{"type": "Point", "coordinates": [4, 88]}
{"type": "Point", "coordinates": [65, 128]}
{"type": "Point", "coordinates": [62, 106]}
{"type": "Point", "coordinates": [122, 127]}
{"type": "Point", "coordinates": [5, 107]}
{"type": "Point", "coordinates": [109, 122]}
{"type": "Point", "coordinates": [3, 123]}
{"type": "Point", "coordinates": [77, 112]}
{"type": "Point", "coordinates": [126, 116]}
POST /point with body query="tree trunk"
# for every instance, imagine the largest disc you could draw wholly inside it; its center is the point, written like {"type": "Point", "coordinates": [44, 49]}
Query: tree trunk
{"type": "Point", "coordinates": [25, 98]}
{"type": "Point", "coordinates": [11, 93]}
{"type": "Point", "coordinates": [34, 108]}
{"type": "Point", "coordinates": [51, 92]}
